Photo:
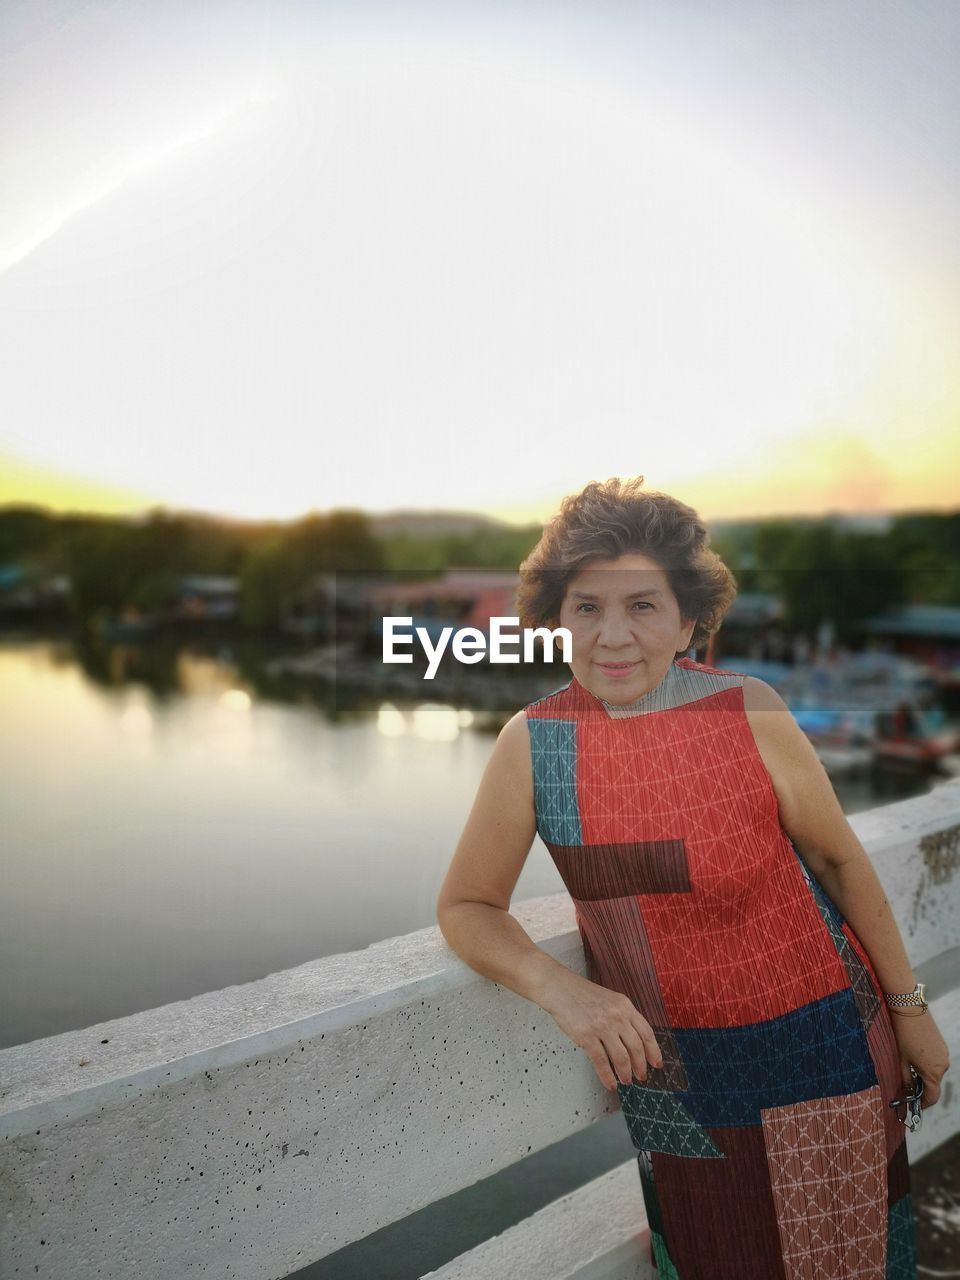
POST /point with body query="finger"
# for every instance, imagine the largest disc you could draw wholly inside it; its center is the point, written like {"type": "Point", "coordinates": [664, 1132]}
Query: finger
{"type": "Point", "coordinates": [619, 1056]}
{"type": "Point", "coordinates": [601, 1064]}
{"type": "Point", "coordinates": [641, 1052]}
{"type": "Point", "coordinates": [631, 1045]}
{"type": "Point", "coordinates": [651, 1048]}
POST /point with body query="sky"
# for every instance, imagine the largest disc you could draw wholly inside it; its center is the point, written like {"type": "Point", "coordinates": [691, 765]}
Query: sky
{"type": "Point", "coordinates": [264, 258]}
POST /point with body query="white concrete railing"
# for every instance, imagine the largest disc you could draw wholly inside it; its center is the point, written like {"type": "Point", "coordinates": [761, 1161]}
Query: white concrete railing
{"type": "Point", "coordinates": [248, 1132]}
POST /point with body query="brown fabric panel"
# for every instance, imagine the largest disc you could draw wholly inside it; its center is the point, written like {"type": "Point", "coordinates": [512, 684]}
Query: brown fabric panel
{"type": "Point", "coordinates": [719, 1216]}
{"type": "Point", "coordinates": [898, 1174]}
{"type": "Point", "coordinates": [621, 958]}
{"type": "Point", "coordinates": [828, 1171]}
{"type": "Point", "coordinates": [595, 871]}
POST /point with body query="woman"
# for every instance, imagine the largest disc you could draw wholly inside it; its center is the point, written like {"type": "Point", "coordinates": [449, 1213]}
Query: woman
{"type": "Point", "coordinates": [747, 992]}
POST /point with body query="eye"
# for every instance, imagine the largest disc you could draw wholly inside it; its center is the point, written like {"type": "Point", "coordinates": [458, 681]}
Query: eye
{"type": "Point", "coordinates": [644, 605]}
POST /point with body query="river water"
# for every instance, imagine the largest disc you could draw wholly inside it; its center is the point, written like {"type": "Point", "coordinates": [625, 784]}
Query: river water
{"type": "Point", "coordinates": [174, 824]}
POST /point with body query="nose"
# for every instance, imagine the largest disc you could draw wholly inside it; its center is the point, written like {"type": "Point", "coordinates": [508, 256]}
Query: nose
{"type": "Point", "coordinates": [614, 632]}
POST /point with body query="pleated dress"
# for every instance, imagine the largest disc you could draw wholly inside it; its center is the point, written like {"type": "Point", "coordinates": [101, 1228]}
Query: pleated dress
{"type": "Point", "coordinates": [766, 1146]}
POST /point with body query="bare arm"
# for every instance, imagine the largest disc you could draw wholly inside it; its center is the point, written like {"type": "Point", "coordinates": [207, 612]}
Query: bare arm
{"type": "Point", "coordinates": [811, 815]}
{"type": "Point", "coordinates": [473, 909]}
{"type": "Point", "coordinates": [474, 917]}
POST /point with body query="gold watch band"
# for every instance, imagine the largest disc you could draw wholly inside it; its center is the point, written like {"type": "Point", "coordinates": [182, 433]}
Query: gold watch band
{"type": "Point", "coordinates": [915, 999]}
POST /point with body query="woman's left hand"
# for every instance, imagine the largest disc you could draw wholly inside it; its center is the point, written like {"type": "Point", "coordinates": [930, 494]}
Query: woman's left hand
{"type": "Point", "coordinates": [921, 1044]}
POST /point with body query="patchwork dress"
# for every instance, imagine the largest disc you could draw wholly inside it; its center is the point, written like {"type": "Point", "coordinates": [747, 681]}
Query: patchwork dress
{"type": "Point", "coordinates": [766, 1146]}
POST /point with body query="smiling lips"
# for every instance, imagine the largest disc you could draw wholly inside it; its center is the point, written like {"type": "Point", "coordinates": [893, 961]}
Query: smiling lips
{"type": "Point", "coordinates": [616, 668]}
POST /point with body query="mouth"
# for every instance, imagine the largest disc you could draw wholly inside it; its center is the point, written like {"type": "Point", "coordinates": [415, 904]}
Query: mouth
{"type": "Point", "coordinates": [617, 668]}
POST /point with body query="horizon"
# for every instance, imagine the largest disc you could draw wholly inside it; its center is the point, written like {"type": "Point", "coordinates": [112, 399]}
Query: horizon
{"type": "Point", "coordinates": [459, 513]}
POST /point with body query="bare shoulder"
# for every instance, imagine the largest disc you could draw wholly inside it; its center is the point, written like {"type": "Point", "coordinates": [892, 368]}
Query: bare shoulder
{"type": "Point", "coordinates": [509, 767]}
{"type": "Point", "coordinates": [500, 827]}
{"type": "Point", "coordinates": [760, 696]}
{"type": "Point", "coordinates": [778, 736]}
{"type": "Point", "coordinates": [512, 748]}
{"type": "Point", "coordinates": [809, 809]}
{"type": "Point", "coordinates": [515, 730]}
{"type": "Point", "coordinates": [513, 740]}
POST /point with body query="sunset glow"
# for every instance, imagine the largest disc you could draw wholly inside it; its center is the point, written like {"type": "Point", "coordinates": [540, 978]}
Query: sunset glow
{"type": "Point", "coordinates": [425, 262]}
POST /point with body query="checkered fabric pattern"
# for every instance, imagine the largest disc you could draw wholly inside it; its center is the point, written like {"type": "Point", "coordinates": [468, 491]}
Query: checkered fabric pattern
{"type": "Point", "coordinates": [766, 1146]}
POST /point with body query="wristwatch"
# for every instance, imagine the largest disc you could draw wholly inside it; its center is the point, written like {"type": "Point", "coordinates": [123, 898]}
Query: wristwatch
{"type": "Point", "coordinates": [915, 999]}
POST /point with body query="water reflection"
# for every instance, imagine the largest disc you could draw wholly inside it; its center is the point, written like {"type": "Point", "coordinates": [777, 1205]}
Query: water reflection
{"type": "Point", "coordinates": [179, 820]}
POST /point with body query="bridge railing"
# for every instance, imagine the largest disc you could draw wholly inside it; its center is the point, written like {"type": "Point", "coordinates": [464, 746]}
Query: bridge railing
{"type": "Point", "coordinates": [249, 1132]}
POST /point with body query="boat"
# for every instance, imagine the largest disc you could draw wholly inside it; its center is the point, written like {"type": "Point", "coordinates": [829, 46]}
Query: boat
{"type": "Point", "coordinates": [840, 736]}
{"type": "Point", "coordinates": [319, 662]}
{"type": "Point", "coordinates": [911, 735]}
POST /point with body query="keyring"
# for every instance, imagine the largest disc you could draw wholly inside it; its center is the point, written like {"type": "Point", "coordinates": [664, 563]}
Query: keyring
{"type": "Point", "coordinates": [913, 1118]}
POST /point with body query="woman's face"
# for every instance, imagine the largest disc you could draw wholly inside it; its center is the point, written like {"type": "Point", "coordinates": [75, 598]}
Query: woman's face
{"type": "Point", "coordinates": [625, 624]}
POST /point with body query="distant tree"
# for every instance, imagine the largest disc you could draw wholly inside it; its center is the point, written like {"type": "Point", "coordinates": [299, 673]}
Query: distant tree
{"type": "Point", "coordinates": [927, 546]}
{"type": "Point", "coordinates": [410, 555]}
{"type": "Point", "coordinates": [113, 563]}
{"type": "Point", "coordinates": [157, 592]}
{"type": "Point", "coordinates": [270, 571]}
{"type": "Point", "coordinates": [341, 540]}
{"type": "Point", "coordinates": [104, 566]}
{"type": "Point", "coordinates": [350, 542]}
{"type": "Point", "coordinates": [491, 548]}
{"type": "Point", "coordinates": [817, 567]}
{"type": "Point", "coordinates": [825, 574]}
{"type": "Point", "coordinates": [774, 549]}
{"type": "Point", "coordinates": [26, 531]}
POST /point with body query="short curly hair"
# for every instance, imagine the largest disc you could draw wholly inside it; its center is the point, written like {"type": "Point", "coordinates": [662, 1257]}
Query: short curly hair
{"type": "Point", "coordinates": [607, 520]}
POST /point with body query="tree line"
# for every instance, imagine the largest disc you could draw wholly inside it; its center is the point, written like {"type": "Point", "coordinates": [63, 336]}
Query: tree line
{"type": "Point", "coordinates": [819, 568]}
